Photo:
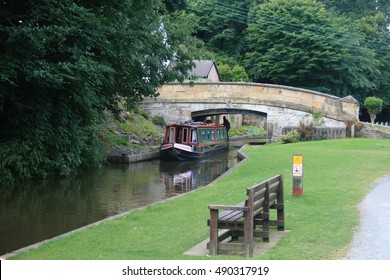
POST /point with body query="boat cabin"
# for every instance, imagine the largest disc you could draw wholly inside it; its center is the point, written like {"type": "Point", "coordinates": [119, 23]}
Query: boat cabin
{"type": "Point", "coordinates": [194, 140]}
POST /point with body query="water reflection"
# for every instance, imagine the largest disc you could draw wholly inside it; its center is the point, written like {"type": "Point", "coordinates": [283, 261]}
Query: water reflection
{"type": "Point", "coordinates": [43, 209]}
{"type": "Point", "coordinates": [181, 177]}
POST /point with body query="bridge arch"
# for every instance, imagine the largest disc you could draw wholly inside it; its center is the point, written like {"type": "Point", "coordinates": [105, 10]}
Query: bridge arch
{"type": "Point", "coordinates": [283, 106]}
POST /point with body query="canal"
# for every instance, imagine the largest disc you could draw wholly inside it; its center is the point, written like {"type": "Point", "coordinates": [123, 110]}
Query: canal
{"type": "Point", "coordinates": [40, 210]}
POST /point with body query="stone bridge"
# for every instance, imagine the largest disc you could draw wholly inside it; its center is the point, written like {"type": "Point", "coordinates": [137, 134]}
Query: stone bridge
{"type": "Point", "coordinates": [281, 105]}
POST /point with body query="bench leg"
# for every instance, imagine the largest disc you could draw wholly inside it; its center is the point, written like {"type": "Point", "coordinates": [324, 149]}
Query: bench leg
{"type": "Point", "coordinates": [266, 226]}
{"type": "Point", "coordinates": [248, 237]}
{"type": "Point", "coordinates": [280, 217]}
{"type": "Point", "coordinates": [280, 200]}
{"type": "Point", "coordinates": [213, 249]}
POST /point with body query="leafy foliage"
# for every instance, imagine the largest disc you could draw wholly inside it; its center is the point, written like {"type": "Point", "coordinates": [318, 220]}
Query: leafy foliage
{"type": "Point", "coordinates": [293, 136]}
{"type": "Point", "coordinates": [235, 74]}
{"type": "Point", "coordinates": [308, 47]}
{"type": "Point", "coordinates": [359, 8]}
{"type": "Point", "coordinates": [224, 71]}
{"type": "Point", "coordinates": [222, 25]}
{"type": "Point", "coordinates": [239, 74]}
{"type": "Point", "coordinates": [306, 130]}
{"type": "Point", "coordinates": [159, 121]}
{"type": "Point", "coordinates": [247, 130]}
{"type": "Point", "coordinates": [63, 63]}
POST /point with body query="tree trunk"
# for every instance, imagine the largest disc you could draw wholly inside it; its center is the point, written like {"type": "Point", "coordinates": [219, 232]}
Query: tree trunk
{"type": "Point", "coordinates": [372, 117]}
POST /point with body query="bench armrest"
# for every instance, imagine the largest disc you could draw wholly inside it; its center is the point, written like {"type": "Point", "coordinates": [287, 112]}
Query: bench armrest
{"type": "Point", "coordinates": [228, 207]}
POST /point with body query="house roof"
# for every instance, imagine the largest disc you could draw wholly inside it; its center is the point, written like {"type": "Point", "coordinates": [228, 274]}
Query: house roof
{"type": "Point", "coordinates": [202, 68]}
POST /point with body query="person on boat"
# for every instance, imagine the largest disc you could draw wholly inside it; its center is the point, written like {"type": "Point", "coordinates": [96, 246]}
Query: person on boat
{"type": "Point", "coordinates": [226, 124]}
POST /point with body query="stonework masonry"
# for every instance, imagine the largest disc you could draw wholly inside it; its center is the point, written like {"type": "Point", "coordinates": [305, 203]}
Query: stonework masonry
{"type": "Point", "coordinates": [284, 106]}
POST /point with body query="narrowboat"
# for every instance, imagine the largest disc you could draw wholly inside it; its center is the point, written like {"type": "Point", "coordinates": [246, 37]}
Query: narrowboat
{"type": "Point", "coordinates": [193, 141]}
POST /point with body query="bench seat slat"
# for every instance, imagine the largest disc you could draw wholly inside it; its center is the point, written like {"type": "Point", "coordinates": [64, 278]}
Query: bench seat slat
{"type": "Point", "coordinates": [231, 216]}
{"type": "Point", "coordinates": [228, 207]}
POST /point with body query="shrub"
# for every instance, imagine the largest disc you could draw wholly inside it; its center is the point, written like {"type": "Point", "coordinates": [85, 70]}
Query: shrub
{"type": "Point", "coordinates": [247, 130]}
{"type": "Point", "coordinates": [142, 112]}
{"type": "Point", "coordinates": [293, 136]}
{"type": "Point", "coordinates": [238, 74]}
{"type": "Point", "coordinates": [306, 130]}
{"type": "Point", "coordinates": [159, 121]}
{"type": "Point", "coordinates": [318, 119]}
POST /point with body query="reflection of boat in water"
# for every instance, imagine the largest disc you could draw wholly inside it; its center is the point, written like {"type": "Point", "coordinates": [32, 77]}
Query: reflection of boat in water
{"type": "Point", "coordinates": [193, 141]}
{"type": "Point", "coordinates": [181, 177]}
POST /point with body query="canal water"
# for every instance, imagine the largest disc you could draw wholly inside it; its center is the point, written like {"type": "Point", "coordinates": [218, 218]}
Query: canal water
{"type": "Point", "coordinates": [43, 209]}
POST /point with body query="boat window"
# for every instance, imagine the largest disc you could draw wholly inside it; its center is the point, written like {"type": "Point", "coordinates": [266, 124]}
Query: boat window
{"type": "Point", "coordinates": [185, 133]}
{"type": "Point", "coordinates": [193, 135]}
{"type": "Point", "coordinates": [223, 133]}
{"type": "Point", "coordinates": [178, 138]}
{"type": "Point", "coordinates": [206, 135]}
{"type": "Point", "coordinates": [171, 134]}
{"type": "Point", "coordinates": [202, 136]}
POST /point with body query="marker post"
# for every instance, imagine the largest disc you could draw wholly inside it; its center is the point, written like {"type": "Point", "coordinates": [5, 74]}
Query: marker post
{"type": "Point", "coordinates": [297, 175]}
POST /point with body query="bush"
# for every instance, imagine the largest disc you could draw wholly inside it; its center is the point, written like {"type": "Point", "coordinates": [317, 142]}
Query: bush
{"type": "Point", "coordinates": [247, 130]}
{"type": "Point", "coordinates": [292, 136]}
{"type": "Point", "coordinates": [143, 113]}
{"type": "Point", "coordinates": [306, 130]}
{"type": "Point", "coordinates": [238, 74]}
{"type": "Point", "coordinates": [159, 121]}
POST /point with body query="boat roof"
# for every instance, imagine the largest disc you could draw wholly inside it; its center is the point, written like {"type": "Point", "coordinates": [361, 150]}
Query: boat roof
{"type": "Point", "coordinates": [197, 124]}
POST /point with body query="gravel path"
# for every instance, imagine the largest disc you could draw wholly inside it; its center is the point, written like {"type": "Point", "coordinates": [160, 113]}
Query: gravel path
{"type": "Point", "coordinates": [372, 241]}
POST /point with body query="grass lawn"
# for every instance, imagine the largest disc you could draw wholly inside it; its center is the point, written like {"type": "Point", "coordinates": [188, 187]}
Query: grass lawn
{"type": "Point", "coordinates": [337, 175]}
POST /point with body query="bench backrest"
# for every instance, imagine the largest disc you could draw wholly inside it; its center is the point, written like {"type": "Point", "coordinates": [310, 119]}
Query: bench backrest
{"type": "Point", "coordinates": [261, 196]}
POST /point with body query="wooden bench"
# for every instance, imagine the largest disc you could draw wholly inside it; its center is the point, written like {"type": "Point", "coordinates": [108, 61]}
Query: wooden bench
{"type": "Point", "coordinates": [249, 219]}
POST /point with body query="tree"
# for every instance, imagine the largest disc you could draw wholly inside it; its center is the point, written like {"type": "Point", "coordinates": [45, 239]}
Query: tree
{"type": "Point", "coordinates": [359, 8]}
{"type": "Point", "coordinates": [238, 74]}
{"type": "Point", "coordinates": [374, 106]}
{"type": "Point", "coordinates": [174, 5]}
{"type": "Point", "coordinates": [222, 24]}
{"type": "Point", "coordinates": [372, 19]}
{"type": "Point", "coordinates": [63, 63]}
{"type": "Point", "coordinates": [300, 43]}
{"type": "Point", "coordinates": [377, 37]}
{"type": "Point", "coordinates": [235, 74]}
{"type": "Point", "coordinates": [224, 71]}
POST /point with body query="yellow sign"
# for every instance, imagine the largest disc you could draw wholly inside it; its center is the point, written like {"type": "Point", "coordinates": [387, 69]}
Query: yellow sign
{"type": "Point", "coordinates": [297, 159]}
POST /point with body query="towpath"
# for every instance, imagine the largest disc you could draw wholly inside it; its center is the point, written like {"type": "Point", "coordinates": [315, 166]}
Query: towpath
{"type": "Point", "coordinates": [372, 241]}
